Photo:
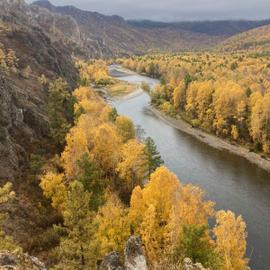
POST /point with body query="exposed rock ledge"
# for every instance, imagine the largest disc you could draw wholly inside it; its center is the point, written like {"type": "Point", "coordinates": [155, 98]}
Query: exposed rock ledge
{"type": "Point", "coordinates": [135, 259]}
{"type": "Point", "coordinates": [18, 261]}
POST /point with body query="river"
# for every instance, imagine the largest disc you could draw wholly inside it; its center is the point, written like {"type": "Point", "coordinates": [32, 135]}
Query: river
{"type": "Point", "coordinates": [231, 181]}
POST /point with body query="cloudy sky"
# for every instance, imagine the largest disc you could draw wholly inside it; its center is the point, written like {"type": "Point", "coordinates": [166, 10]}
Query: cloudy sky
{"type": "Point", "coordinates": [176, 10]}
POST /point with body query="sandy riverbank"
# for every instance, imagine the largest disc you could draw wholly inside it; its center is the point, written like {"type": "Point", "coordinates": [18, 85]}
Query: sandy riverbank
{"type": "Point", "coordinates": [212, 140]}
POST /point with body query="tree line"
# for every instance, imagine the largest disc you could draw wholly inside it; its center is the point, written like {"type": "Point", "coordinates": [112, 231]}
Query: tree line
{"type": "Point", "coordinates": [224, 94]}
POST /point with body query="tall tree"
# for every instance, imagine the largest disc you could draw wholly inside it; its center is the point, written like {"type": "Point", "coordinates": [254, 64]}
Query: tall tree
{"type": "Point", "coordinates": [58, 110]}
{"type": "Point", "coordinates": [154, 157]}
{"type": "Point", "coordinates": [112, 225]}
{"type": "Point", "coordinates": [133, 165]}
{"type": "Point", "coordinates": [231, 236]}
{"type": "Point", "coordinates": [93, 180]}
{"type": "Point", "coordinates": [74, 251]}
{"type": "Point", "coordinates": [125, 127]}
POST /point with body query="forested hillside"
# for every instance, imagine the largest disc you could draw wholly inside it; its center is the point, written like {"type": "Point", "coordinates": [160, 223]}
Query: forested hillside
{"type": "Point", "coordinates": [256, 41]}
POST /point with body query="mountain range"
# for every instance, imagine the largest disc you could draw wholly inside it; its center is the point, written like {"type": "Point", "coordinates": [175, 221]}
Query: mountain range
{"type": "Point", "coordinates": [97, 35]}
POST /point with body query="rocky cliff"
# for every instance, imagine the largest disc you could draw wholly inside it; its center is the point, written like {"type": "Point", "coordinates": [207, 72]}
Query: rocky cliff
{"type": "Point", "coordinates": [23, 118]}
{"type": "Point", "coordinates": [26, 52]}
{"type": "Point", "coordinates": [17, 261]}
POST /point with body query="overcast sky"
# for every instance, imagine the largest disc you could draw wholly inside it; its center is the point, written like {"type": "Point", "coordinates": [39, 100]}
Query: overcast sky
{"type": "Point", "coordinates": [176, 10]}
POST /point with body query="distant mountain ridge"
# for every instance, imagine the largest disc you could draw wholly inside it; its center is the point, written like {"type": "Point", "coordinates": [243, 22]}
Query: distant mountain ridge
{"type": "Point", "coordinates": [98, 35]}
{"type": "Point", "coordinates": [212, 28]}
{"type": "Point", "coordinates": [102, 36]}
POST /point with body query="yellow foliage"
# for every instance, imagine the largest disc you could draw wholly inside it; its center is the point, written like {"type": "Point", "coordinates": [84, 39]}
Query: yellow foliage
{"type": "Point", "coordinates": [231, 235]}
{"type": "Point", "coordinates": [162, 207]}
{"type": "Point", "coordinates": [106, 146]}
{"type": "Point", "coordinates": [215, 92]}
{"type": "Point", "coordinates": [77, 146]}
{"type": "Point", "coordinates": [133, 166]}
{"type": "Point", "coordinates": [113, 227]}
{"type": "Point", "coordinates": [54, 188]}
{"type": "Point", "coordinates": [125, 127]}
{"type": "Point", "coordinates": [83, 93]}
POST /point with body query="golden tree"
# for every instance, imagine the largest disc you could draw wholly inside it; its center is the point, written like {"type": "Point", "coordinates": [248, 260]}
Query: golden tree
{"type": "Point", "coordinates": [113, 226]}
{"type": "Point", "coordinates": [125, 127]}
{"type": "Point", "coordinates": [230, 232]}
{"type": "Point", "coordinates": [133, 165]}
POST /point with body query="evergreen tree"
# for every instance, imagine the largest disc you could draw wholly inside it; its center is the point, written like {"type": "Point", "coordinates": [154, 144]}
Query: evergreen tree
{"type": "Point", "coordinates": [74, 251]}
{"type": "Point", "coordinates": [59, 110]}
{"type": "Point", "coordinates": [154, 157]}
{"type": "Point", "coordinates": [93, 181]}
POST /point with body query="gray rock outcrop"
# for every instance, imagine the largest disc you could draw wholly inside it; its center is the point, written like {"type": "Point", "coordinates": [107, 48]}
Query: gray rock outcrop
{"type": "Point", "coordinates": [134, 256]}
{"type": "Point", "coordinates": [189, 265]}
{"type": "Point", "coordinates": [111, 262]}
{"type": "Point", "coordinates": [18, 261]}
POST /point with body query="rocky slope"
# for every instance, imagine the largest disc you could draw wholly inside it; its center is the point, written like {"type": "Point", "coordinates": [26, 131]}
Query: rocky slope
{"type": "Point", "coordinates": [22, 111]}
{"type": "Point", "coordinates": [134, 259]}
{"type": "Point", "coordinates": [26, 52]}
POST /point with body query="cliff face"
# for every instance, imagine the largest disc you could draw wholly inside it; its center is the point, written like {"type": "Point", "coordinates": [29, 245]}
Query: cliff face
{"type": "Point", "coordinates": [26, 52]}
{"type": "Point", "coordinates": [23, 121]}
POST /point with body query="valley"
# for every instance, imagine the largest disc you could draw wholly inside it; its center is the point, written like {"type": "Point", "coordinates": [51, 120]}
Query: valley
{"type": "Point", "coordinates": [117, 132]}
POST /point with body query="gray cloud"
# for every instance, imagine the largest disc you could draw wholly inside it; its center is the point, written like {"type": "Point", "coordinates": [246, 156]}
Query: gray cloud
{"type": "Point", "coordinates": [176, 10]}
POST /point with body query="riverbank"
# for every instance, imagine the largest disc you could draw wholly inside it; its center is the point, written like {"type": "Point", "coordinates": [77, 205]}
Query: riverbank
{"type": "Point", "coordinates": [212, 140]}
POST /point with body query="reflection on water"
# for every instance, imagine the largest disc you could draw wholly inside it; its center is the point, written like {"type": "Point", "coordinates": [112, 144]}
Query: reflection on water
{"type": "Point", "coordinates": [233, 182]}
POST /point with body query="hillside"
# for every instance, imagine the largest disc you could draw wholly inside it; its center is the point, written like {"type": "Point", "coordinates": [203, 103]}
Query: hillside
{"type": "Point", "coordinates": [256, 40]}
{"type": "Point", "coordinates": [26, 53]}
{"type": "Point", "coordinates": [92, 34]}
{"type": "Point", "coordinates": [22, 110]}
{"type": "Point", "coordinates": [211, 28]}
{"type": "Point", "coordinates": [106, 36]}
